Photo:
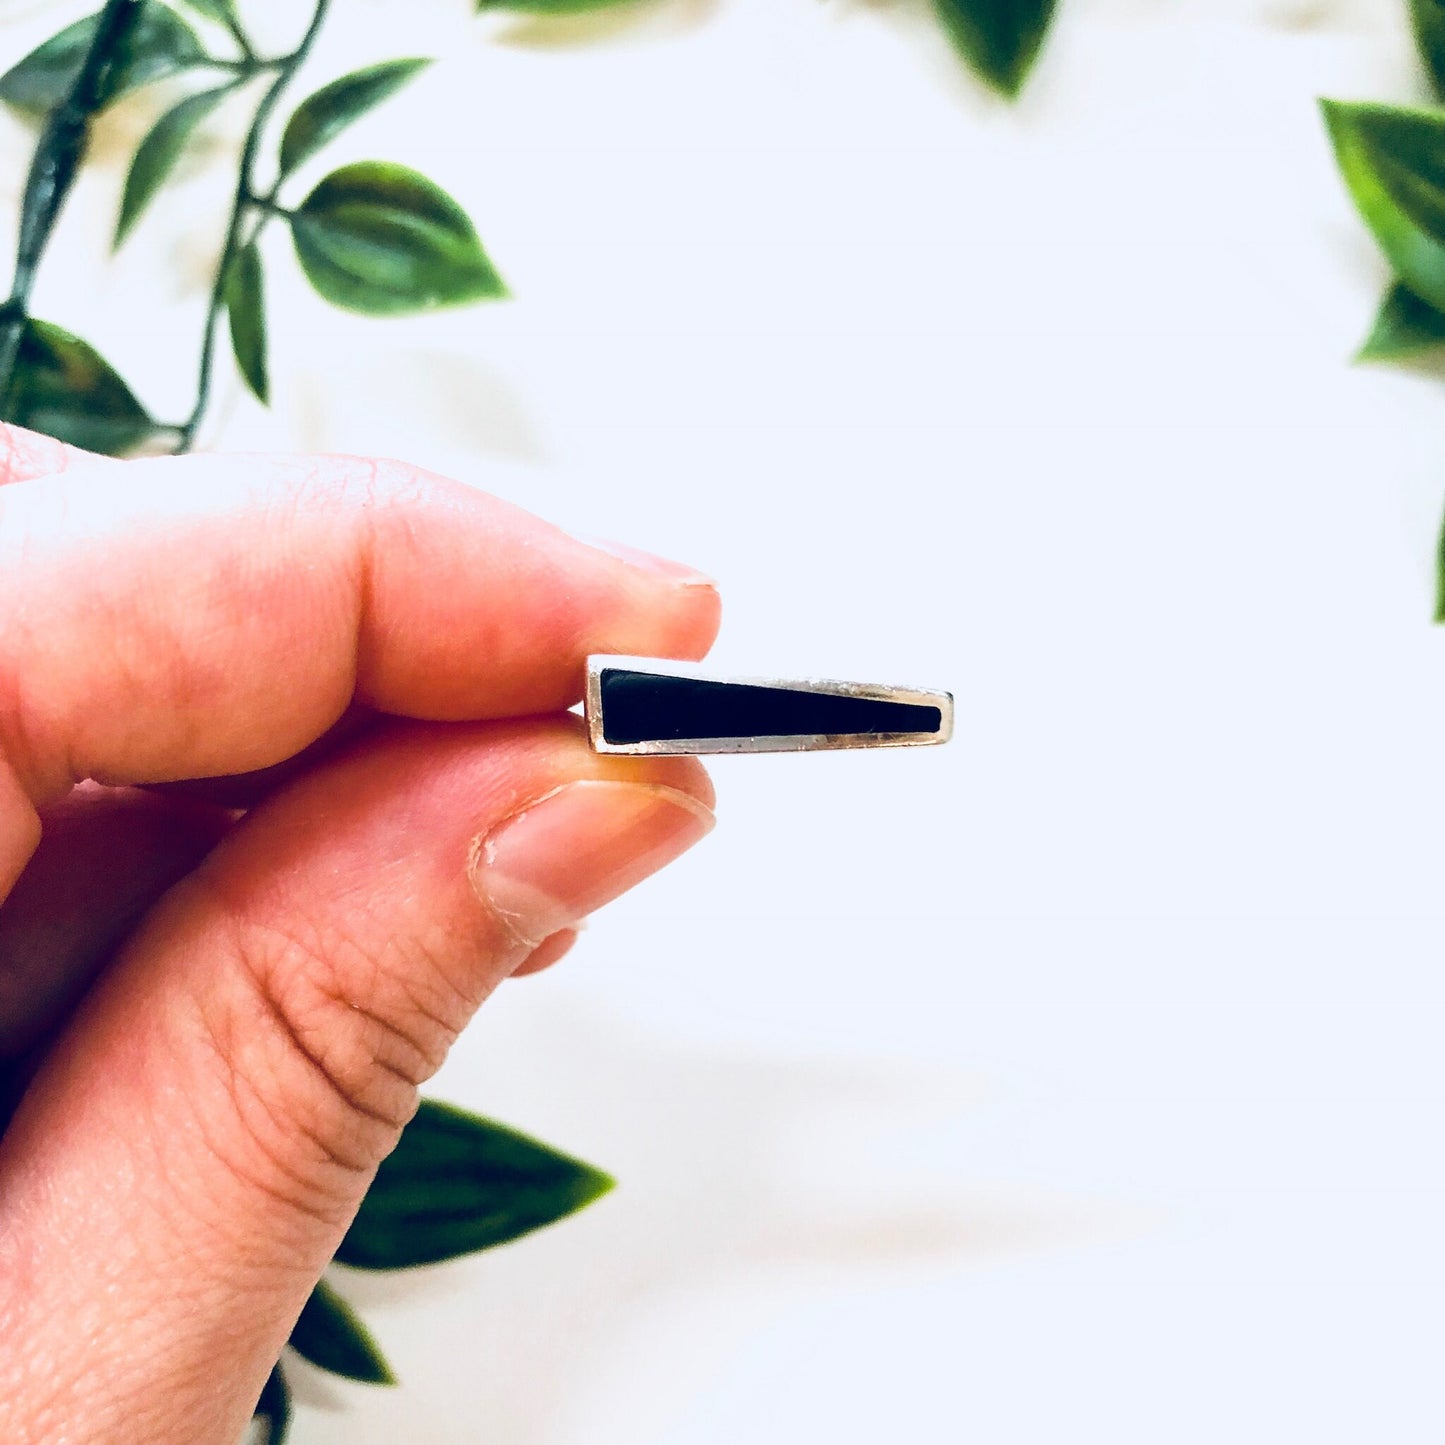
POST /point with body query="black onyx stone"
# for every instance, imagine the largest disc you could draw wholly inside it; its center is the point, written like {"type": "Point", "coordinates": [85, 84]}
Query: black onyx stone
{"type": "Point", "coordinates": [644, 707]}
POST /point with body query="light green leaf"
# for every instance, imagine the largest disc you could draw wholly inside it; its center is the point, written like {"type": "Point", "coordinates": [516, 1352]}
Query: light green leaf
{"type": "Point", "coordinates": [1393, 161]}
{"type": "Point", "coordinates": [159, 151]}
{"type": "Point", "coordinates": [1440, 578]}
{"type": "Point", "coordinates": [1000, 39]}
{"type": "Point", "coordinates": [1404, 327]}
{"type": "Point", "coordinates": [321, 116]}
{"type": "Point", "coordinates": [332, 1338]}
{"type": "Point", "coordinates": [63, 387]}
{"type": "Point", "coordinates": [160, 44]}
{"type": "Point", "coordinates": [274, 1407]}
{"type": "Point", "coordinates": [244, 294]}
{"type": "Point", "coordinates": [1427, 19]}
{"type": "Point", "coordinates": [223, 12]}
{"type": "Point", "coordinates": [458, 1183]}
{"type": "Point", "coordinates": [383, 240]}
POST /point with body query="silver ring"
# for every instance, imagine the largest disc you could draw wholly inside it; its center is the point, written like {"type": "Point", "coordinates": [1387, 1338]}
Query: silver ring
{"type": "Point", "coordinates": [649, 705]}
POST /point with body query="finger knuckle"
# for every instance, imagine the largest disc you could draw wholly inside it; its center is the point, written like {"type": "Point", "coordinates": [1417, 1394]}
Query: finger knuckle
{"type": "Point", "coordinates": [366, 1024]}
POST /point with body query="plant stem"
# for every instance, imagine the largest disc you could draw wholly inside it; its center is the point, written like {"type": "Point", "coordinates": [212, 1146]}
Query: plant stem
{"type": "Point", "coordinates": [57, 158]}
{"type": "Point", "coordinates": [246, 66]}
{"type": "Point", "coordinates": [245, 201]}
{"type": "Point", "coordinates": [243, 41]}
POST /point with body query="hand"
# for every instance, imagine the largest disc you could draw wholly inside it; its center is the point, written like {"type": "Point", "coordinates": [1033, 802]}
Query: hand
{"type": "Point", "coordinates": [218, 997]}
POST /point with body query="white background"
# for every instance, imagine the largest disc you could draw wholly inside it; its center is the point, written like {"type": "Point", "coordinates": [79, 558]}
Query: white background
{"type": "Point", "coordinates": [1082, 1080]}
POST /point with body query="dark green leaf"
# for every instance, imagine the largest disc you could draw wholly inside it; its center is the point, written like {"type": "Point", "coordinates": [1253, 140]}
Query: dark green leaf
{"type": "Point", "coordinates": [458, 1183]}
{"type": "Point", "coordinates": [1404, 327]}
{"type": "Point", "coordinates": [159, 151]}
{"type": "Point", "coordinates": [64, 388]}
{"type": "Point", "coordinates": [332, 1338]}
{"type": "Point", "coordinates": [321, 116]}
{"type": "Point", "coordinates": [1393, 161]}
{"type": "Point", "coordinates": [244, 295]}
{"type": "Point", "coordinates": [1000, 39]}
{"type": "Point", "coordinates": [274, 1407]}
{"type": "Point", "coordinates": [160, 44]}
{"type": "Point", "coordinates": [1427, 17]}
{"type": "Point", "coordinates": [383, 240]}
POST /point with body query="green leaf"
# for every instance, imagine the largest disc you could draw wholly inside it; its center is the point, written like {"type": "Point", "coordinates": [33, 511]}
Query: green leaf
{"type": "Point", "coordinates": [1427, 18]}
{"type": "Point", "coordinates": [1404, 327]}
{"type": "Point", "coordinates": [223, 12]}
{"type": "Point", "coordinates": [321, 116]}
{"type": "Point", "coordinates": [244, 294]}
{"type": "Point", "coordinates": [1393, 161]}
{"type": "Point", "coordinates": [1000, 39]}
{"type": "Point", "coordinates": [457, 1183]}
{"type": "Point", "coordinates": [1440, 578]}
{"type": "Point", "coordinates": [160, 44]}
{"type": "Point", "coordinates": [332, 1338]}
{"type": "Point", "coordinates": [274, 1406]}
{"type": "Point", "coordinates": [63, 387]}
{"type": "Point", "coordinates": [159, 151]}
{"type": "Point", "coordinates": [383, 240]}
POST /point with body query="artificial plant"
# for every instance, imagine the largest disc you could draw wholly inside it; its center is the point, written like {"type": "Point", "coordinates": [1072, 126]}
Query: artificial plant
{"type": "Point", "coordinates": [373, 237]}
{"type": "Point", "coordinates": [1392, 159]}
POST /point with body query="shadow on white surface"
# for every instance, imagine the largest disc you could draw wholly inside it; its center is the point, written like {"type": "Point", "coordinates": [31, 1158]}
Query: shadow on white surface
{"type": "Point", "coordinates": [433, 390]}
{"type": "Point", "coordinates": [747, 1182]}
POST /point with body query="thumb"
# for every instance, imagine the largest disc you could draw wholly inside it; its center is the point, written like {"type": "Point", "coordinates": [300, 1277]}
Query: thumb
{"type": "Point", "coordinates": [189, 1157]}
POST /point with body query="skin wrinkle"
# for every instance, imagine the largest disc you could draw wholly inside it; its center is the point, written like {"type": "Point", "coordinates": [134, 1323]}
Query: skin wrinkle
{"type": "Point", "coordinates": [405, 961]}
{"type": "Point", "coordinates": [311, 1199]}
{"type": "Point", "coordinates": [380, 1042]}
{"type": "Point", "coordinates": [336, 977]}
{"type": "Point", "coordinates": [298, 955]}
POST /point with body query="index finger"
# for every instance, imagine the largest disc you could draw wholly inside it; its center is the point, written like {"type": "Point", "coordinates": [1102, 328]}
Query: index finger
{"type": "Point", "coordinates": [190, 617]}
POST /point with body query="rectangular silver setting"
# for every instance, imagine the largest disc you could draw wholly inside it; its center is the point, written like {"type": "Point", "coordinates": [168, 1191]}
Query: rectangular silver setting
{"type": "Point", "coordinates": [787, 743]}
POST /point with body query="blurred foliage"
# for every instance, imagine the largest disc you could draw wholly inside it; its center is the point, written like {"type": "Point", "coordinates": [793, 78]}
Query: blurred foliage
{"type": "Point", "coordinates": [1392, 159]}
{"type": "Point", "coordinates": [999, 38]}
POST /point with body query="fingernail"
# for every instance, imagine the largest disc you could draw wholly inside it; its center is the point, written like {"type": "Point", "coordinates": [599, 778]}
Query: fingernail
{"type": "Point", "coordinates": [659, 566]}
{"type": "Point", "coordinates": [580, 847]}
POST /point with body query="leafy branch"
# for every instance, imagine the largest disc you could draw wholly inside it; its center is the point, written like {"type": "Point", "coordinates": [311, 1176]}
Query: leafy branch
{"type": "Point", "coordinates": [373, 237]}
{"type": "Point", "coordinates": [246, 293]}
{"type": "Point", "coordinates": [53, 168]}
{"type": "Point", "coordinates": [1392, 159]}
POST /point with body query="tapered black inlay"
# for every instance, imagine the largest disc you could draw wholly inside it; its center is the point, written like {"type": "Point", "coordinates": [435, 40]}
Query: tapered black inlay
{"type": "Point", "coordinates": [645, 707]}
